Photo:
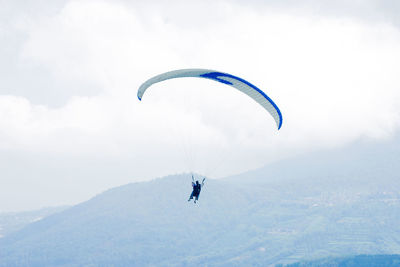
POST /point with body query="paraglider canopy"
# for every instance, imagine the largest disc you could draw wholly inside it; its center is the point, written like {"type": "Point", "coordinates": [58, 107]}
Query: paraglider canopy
{"type": "Point", "coordinates": [240, 84]}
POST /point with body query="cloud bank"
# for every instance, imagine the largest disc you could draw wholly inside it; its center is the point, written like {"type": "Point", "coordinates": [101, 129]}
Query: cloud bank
{"type": "Point", "coordinates": [71, 125]}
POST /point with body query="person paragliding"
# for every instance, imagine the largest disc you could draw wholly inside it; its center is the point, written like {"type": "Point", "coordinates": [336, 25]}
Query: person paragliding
{"type": "Point", "coordinates": [233, 81]}
{"type": "Point", "coordinates": [196, 189]}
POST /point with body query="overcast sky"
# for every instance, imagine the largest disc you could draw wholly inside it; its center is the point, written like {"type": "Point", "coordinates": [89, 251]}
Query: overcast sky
{"type": "Point", "coordinates": [71, 125]}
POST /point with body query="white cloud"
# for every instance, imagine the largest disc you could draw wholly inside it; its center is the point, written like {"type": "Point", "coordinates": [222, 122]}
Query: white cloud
{"type": "Point", "coordinates": [334, 79]}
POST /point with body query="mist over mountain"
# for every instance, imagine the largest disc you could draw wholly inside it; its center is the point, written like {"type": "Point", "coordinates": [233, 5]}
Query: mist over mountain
{"type": "Point", "coordinates": [333, 203]}
{"type": "Point", "coordinates": [14, 221]}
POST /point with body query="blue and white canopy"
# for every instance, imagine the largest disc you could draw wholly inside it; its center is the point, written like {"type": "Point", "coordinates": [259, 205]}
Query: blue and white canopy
{"type": "Point", "coordinates": [240, 84]}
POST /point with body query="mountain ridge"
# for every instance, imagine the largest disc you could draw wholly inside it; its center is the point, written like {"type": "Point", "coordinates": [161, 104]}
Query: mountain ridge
{"type": "Point", "coordinates": [299, 209]}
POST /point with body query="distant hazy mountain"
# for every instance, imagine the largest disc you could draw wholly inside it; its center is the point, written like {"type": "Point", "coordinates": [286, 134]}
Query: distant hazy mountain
{"type": "Point", "coordinates": [13, 221]}
{"type": "Point", "coordinates": [335, 203]}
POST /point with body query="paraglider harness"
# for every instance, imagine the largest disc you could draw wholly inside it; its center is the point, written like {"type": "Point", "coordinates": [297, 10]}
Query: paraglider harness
{"type": "Point", "coordinates": [196, 189]}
